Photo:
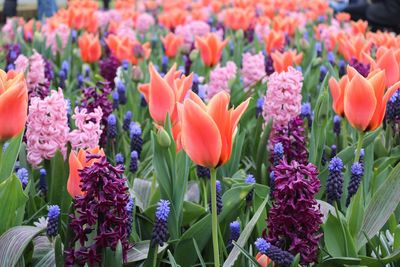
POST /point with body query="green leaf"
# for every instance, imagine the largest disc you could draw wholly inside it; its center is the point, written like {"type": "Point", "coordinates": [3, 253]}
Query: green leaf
{"type": "Point", "coordinates": [191, 212]}
{"type": "Point", "coordinates": [9, 157]}
{"type": "Point", "coordinates": [296, 261]}
{"type": "Point", "coordinates": [199, 253]}
{"type": "Point", "coordinates": [12, 198]}
{"type": "Point", "coordinates": [59, 253]}
{"type": "Point", "coordinates": [262, 151]}
{"type": "Point", "coordinates": [13, 243]}
{"type": "Point", "coordinates": [343, 260]}
{"type": "Point", "coordinates": [113, 258]}
{"type": "Point", "coordinates": [172, 259]}
{"type": "Point", "coordinates": [246, 254]}
{"type": "Point", "coordinates": [244, 236]}
{"type": "Point", "coordinates": [140, 250]}
{"type": "Point", "coordinates": [381, 206]}
{"type": "Point", "coordinates": [355, 213]}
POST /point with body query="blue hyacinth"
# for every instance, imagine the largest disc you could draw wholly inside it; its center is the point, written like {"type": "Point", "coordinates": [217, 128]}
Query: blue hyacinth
{"type": "Point", "coordinates": [121, 92]}
{"type": "Point", "coordinates": [250, 180]}
{"type": "Point", "coordinates": [278, 153]}
{"type": "Point", "coordinates": [129, 208]}
{"type": "Point", "coordinates": [135, 133]}
{"type": "Point", "coordinates": [336, 124]}
{"type": "Point", "coordinates": [127, 120]}
{"type": "Point", "coordinates": [115, 97]}
{"type": "Point", "coordinates": [42, 181]}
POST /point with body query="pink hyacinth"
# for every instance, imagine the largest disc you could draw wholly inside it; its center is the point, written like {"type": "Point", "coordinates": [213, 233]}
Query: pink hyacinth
{"type": "Point", "coordinates": [190, 30]}
{"type": "Point", "coordinates": [87, 134]}
{"type": "Point", "coordinates": [219, 79]}
{"type": "Point", "coordinates": [283, 100]}
{"type": "Point", "coordinates": [36, 69]}
{"type": "Point", "coordinates": [62, 31]}
{"type": "Point", "coordinates": [144, 22]}
{"type": "Point", "coordinates": [47, 127]}
{"type": "Point", "coordinates": [253, 69]}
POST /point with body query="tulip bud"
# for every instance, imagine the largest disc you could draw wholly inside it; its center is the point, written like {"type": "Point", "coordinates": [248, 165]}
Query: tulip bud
{"type": "Point", "coordinates": [163, 138]}
{"type": "Point", "coordinates": [316, 62]}
{"type": "Point", "coordinates": [239, 34]}
{"type": "Point", "coordinates": [193, 55]}
{"type": "Point", "coordinates": [137, 73]}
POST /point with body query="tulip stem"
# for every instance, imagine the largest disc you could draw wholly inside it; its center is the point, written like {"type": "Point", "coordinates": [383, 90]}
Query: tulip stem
{"type": "Point", "coordinates": [359, 146]}
{"type": "Point", "coordinates": [214, 215]}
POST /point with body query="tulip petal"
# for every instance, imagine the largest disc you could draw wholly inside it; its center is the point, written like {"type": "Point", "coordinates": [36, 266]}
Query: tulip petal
{"type": "Point", "coordinates": [200, 136]}
{"type": "Point", "coordinates": [378, 83]}
{"type": "Point", "coordinates": [359, 102]}
{"type": "Point", "coordinates": [205, 51]}
{"type": "Point", "coordinates": [74, 180]}
{"type": "Point", "coordinates": [193, 96]}
{"type": "Point", "coordinates": [389, 64]}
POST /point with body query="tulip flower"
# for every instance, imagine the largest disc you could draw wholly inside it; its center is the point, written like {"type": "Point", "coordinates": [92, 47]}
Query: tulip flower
{"type": "Point", "coordinates": [337, 91]}
{"type": "Point", "coordinates": [13, 104]}
{"type": "Point", "coordinates": [90, 47]}
{"type": "Point", "coordinates": [210, 48]}
{"type": "Point", "coordinates": [275, 40]}
{"type": "Point", "coordinates": [78, 161]}
{"type": "Point", "coordinates": [263, 260]}
{"type": "Point", "coordinates": [172, 43]}
{"type": "Point", "coordinates": [238, 18]}
{"type": "Point", "coordinates": [388, 60]}
{"type": "Point", "coordinates": [365, 99]}
{"type": "Point", "coordinates": [282, 61]}
{"type": "Point", "coordinates": [124, 48]}
{"type": "Point", "coordinates": [354, 47]}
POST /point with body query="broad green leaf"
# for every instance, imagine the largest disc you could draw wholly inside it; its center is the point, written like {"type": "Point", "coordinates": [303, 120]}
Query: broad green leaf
{"type": "Point", "coordinates": [140, 250]}
{"type": "Point", "coordinates": [199, 253]}
{"type": "Point", "coordinates": [172, 259]}
{"type": "Point", "coordinates": [10, 156]}
{"type": "Point", "coordinates": [355, 213]}
{"type": "Point", "coordinates": [12, 198]}
{"type": "Point", "coordinates": [342, 260]}
{"type": "Point", "coordinates": [381, 206]}
{"type": "Point", "coordinates": [244, 236]}
{"type": "Point", "coordinates": [13, 243]}
{"type": "Point", "coordinates": [246, 254]}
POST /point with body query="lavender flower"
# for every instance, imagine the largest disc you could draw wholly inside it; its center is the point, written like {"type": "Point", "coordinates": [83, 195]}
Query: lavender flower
{"type": "Point", "coordinates": [357, 172]}
{"type": "Point", "coordinates": [112, 126]}
{"type": "Point", "coordinates": [133, 165]}
{"type": "Point", "coordinates": [119, 159]}
{"type": "Point", "coordinates": [160, 230]}
{"type": "Point", "coordinates": [334, 183]}
{"type": "Point", "coordinates": [203, 172]}
{"type": "Point", "coordinates": [53, 216]}
{"type": "Point", "coordinates": [295, 208]}
{"type": "Point", "coordinates": [277, 255]}
{"type": "Point", "coordinates": [135, 133]}
{"type": "Point", "coordinates": [121, 92]}
{"type": "Point", "coordinates": [127, 120]}
{"type": "Point", "coordinates": [23, 176]}
{"type": "Point", "coordinates": [336, 125]}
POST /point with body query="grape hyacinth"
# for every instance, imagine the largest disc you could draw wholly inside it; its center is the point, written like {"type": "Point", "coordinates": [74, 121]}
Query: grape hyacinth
{"type": "Point", "coordinates": [23, 176]}
{"type": "Point", "coordinates": [342, 68]}
{"type": "Point", "coordinates": [357, 172]}
{"type": "Point", "coordinates": [160, 230]}
{"type": "Point", "coordinates": [294, 208]}
{"type": "Point", "coordinates": [334, 183]}
{"type": "Point", "coordinates": [203, 172]}
{"type": "Point", "coordinates": [259, 106]}
{"type": "Point", "coordinates": [121, 92]}
{"type": "Point", "coordinates": [306, 113]}
{"type": "Point", "coordinates": [269, 65]}
{"type": "Point", "coordinates": [127, 120]}
{"type": "Point", "coordinates": [392, 115]}
{"type": "Point", "coordinates": [115, 97]}
{"type": "Point", "coordinates": [278, 153]}
{"type": "Point", "coordinates": [43, 182]}
{"type": "Point", "coordinates": [135, 133]}
{"type": "Point", "coordinates": [105, 216]}
{"type": "Point", "coordinates": [129, 208]}
{"type": "Point", "coordinates": [234, 230]}
{"type": "Point", "coordinates": [322, 72]}
{"type": "Point", "coordinates": [195, 84]}
{"type": "Point", "coordinates": [276, 254]}
{"type": "Point", "coordinates": [133, 165]}
{"type": "Point", "coordinates": [53, 217]}
{"type": "Point", "coordinates": [333, 151]}
{"type": "Point", "coordinates": [250, 180]}
{"type": "Point", "coordinates": [219, 198]}
{"type": "Point", "coordinates": [119, 159]}
{"type": "Point", "coordinates": [112, 126]}
{"type": "Point", "coordinates": [336, 124]}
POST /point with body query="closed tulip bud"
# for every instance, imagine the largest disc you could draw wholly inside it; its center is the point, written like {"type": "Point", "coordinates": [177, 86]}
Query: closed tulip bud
{"type": "Point", "coordinates": [163, 138]}
{"type": "Point", "coordinates": [193, 55]}
{"type": "Point", "coordinates": [239, 34]}
{"type": "Point", "coordinates": [316, 62]}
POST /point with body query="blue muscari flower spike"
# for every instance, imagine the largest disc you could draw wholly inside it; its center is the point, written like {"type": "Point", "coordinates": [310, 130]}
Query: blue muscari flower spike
{"type": "Point", "coordinates": [277, 255]}
{"type": "Point", "coordinates": [135, 129]}
{"type": "Point", "coordinates": [333, 151]}
{"type": "Point", "coordinates": [80, 80]}
{"type": "Point", "coordinates": [115, 97]}
{"type": "Point", "coordinates": [65, 66]}
{"type": "Point", "coordinates": [53, 216]}
{"type": "Point", "coordinates": [125, 64]}
{"type": "Point", "coordinates": [74, 35]}
{"type": "Point", "coordinates": [334, 183]}
{"type": "Point", "coordinates": [278, 153]}
{"type": "Point", "coordinates": [163, 210]}
{"type": "Point", "coordinates": [202, 92]}
{"type": "Point", "coordinates": [127, 120]}
{"type": "Point", "coordinates": [164, 64]}
{"type": "Point", "coordinates": [135, 133]}
{"type": "Point", "coordinates": [331, 57]}
{"type": "Point", "coordinates": [112, 126]}
{"type": "Point", "coordinates": [342, 68]}
{"type": "Point", "coordinates": [42, 181]}
{"type": "Point", "coordinates": [231, 47]}
{"type": "Point", "coordinates": [122, 92]}
{"type": "Point", "coordinates": [250, 180]}
{"type": "Point", "coordinates": [87, 71]}
{"type": "Point", "coordinates": [202, 172]}
{"type": "Point", "coordinates": [322, 72]}
{"type": "Point", "coordinates": [262, 245]}
{"type": "Point", "coordinates": [357, 172]}
{"type": "Point", "coordinates": [160, 230]}
{"type": "Point", "coordinates": [259, 106]}
{"type": "Point", "coordinates": [119, 159]}
{"type": "Point", "coordinates": [219, 197]}
{"type": "Point", "coordinates": [299, 68]}
{"type": "Point", "coordinates": [306, 35]}
{"type": "Point", "coordinates": [234, 228]}
{"type": "Point", "coordinates": [130, 208]}
{"type": "Point", "coordinates": [218, 185]}
{"type": "Point", "coordinates": [62, 76]}
{"type": "Point", "coordinates": [23, 176]}
{"type": "Point", "coordinates": [133, 166]}
{"type": "Point", "coordinates": [306, 110]}
{"type": "Point", "coordinates": [318, 48]}
{"type": "Point", "coordinates": [336, 125]}
{"type": "Point", "coordinates": [10, 67]}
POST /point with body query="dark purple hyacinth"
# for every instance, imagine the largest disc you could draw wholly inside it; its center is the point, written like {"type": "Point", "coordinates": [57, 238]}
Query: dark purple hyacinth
{"type": "Point", "coordinates": [277, 255]}
{"type": "Point", "coordinates": [292, 138]}
{"type": "Point", "coordinates": [101, 212]}
{"type": "Point", "coordinates": [127, 121]}
{"type": "Point", "coordinates": [203, 172]}
{"type": "Point", "coordinates": [334, 183]}
{"type": "Point", "coordinates": [23, 176]}
{"type": "Point", "coordinates": [108, 69]}
{"type": "Point", "coordinates": [357, 172]}
{"type": "Point", "coordinates": [249, 35]}
{"type": "Point", "coordinates": [94, 97]}
{"type": "Point", "coordinates": [362, 68]}
{"type": "Point", "coordinates": [112, 126]}
{"type": "Point", "coordinates": [53, 218]}
{"type": "Point", "coordinates": [294, 219]}
{"type": "Point", "coordinates": [219, 198]}
{"type": "Point", "coordinates": [336, 124]}
{"type": "Point", "coordinates": [134, 165]}
{"type": "Point", "coordinates": [135, 133]}
{"type": "Point", "coordinates": [234, 230]}
{"type": "Point", "coordinates": [160, 230]}
{"type": "Point", "coordinates": [130, 208]}
{"type": "Point", "coordinates": [48, 70]}
{"type": "Point", "coordinates": [250, 180]}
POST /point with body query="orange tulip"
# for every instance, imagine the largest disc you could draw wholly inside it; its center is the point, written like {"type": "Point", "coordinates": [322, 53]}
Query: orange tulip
{"type": "Point", "coordinates": [355, 47]}
{"type": "Point", "coordinates": [210, 48]}
{"type": "Point", "coordinates": [172, 43]}
{"type": "Point", "coordinates": [263, 260]}
{"type": "Point", "coordinates": [275, 40]}
{"type": "Point", "coordinates": [282, 61]}
{"type": "Point", "coordinates": [360, 26]}
{"type": "Point", "coordinates": [337, 92]}
{"type": "Point", "coordinates": [78, 162]}
{"type": "Point", "coordinates": [365, 99]}
{"type": "Point", "coordinates": [125, 48]}
{"type": "Point", "coordinates": [90, 47]}
{"type": "Point", "coordinates": [238, 18]}
{"type": "Point", "coordinates": [343, 16]}
{"type": "Point", "coordinates": [388, 60]}
{"type": "Point", "coordinates": [208, 131]}
{"type": "Point", "coordinates": [13, 104]}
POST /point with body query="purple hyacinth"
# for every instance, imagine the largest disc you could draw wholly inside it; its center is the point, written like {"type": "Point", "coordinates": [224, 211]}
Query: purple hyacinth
{"type": "Point", "coordinates": [112, 126]}
{"type": "Point", "coordinates": [53, 218]}
{"type": "Point", "coordinates": [160, 230]}
{"type": "Point", "coordinates": [362, 68]}
{"type": "Point", "coordinates": [250, 180]}
{"type": "Point", "coordinates": [13, 51]}
{"type": "Point", "coordinates": [133, 165]}
{"type": "Point", "coordinates": [334, 183]}
{"type": "Point", "coordinates": [135, 133]}
{"type": "Point", "coordinates": [336, 124]}
{"type": "Point", "coordinates": [100, 212]}
{"type": "Point", "coordinates": [121, 92]}
{"type": "Point", "coordinates": [234, 230]}
{"type": "Point", "coordinates": [130, 208]}
{"type": "Point", "coordinates": [23, 176]}
{"type": "Point", "coordinates": [259, 106]}
{"type": "Point", "coordinates": [127, 121]}
{"type": "Point", "coordinates": [277, 255]}
{"type": "Point", "coordinates": [108, 69]}
{"type": "Point", "coordinates": [294, 219]}
{"type": "Point", "coordinates": [115, 97]}
{"type": "Point", "coordinates": [203, 172]}
{"type": "Point", "coordinates": [357, 172]}
{"type": "Point", "coordinates": [292, 138]}
{"type": "Point", "coordinates": [219, 198]}
{"type": "Point", "coordinates": [42, 181]}
{"type": "Point", "coordinates": [48, 70]}
{"type": "Point", "coordinates": [119, 159]}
